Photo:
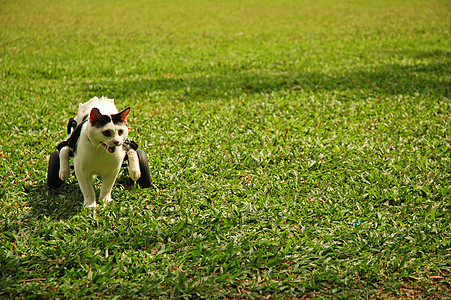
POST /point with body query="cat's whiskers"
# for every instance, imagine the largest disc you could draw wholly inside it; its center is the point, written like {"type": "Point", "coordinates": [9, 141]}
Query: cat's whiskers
{"type": "Point", "coordinates": [98, 146]}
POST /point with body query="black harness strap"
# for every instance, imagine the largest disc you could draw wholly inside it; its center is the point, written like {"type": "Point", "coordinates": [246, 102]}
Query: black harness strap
{"type": "Point", "coordinates": [71, 125]}
{"type": "Point", "coordinates": [132, 144]}
{"type": "Point", "coordinates": [72, 141]}
{"type": "Point", "coordinates": [61, 145]}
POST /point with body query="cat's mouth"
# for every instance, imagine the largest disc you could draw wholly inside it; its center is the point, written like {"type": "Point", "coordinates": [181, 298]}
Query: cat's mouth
{"type": "Point", "coordinates": [108, 148]}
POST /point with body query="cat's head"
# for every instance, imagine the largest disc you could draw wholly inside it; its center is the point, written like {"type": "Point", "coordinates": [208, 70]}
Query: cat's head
{"type": "Point", "coordinates": [108, 131]}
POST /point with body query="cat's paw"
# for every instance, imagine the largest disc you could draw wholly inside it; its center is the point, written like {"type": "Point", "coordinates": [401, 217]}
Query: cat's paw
{"type": "Point", "coordinates": [107, 199]}
{"type": "Point", "coordinates": [64, 173]}
{"type": "Point", "coordinates": [135, 173]}
{"type": "Point", "coordinates": [90, 204]}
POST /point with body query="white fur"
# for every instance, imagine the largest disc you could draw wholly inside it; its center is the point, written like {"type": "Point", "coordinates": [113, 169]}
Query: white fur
{"type": "Point", "coordinates": [105, 105]}
{"type": "Point", "coordinates": [133, 167]}
{"type": "Point", "coordinates": [92, 157]}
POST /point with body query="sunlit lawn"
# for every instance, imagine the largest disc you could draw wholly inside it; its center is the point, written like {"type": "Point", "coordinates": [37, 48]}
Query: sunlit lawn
{"type": "Point", "coordinates": [297, 148]}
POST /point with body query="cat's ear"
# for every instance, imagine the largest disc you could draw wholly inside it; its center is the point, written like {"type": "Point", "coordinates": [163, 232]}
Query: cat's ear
{"type": "Point", "coordinates": [121, 117]}
{"type": "Point", "coordinates": [94, 116]}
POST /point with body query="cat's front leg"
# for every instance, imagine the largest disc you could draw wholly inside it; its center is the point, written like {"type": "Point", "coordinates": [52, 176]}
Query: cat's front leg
{"type": "Point", "coordinates": [133, 167]}
{"type": "Point", "coordinates": [107, 186]}
{"type": "Point", "coordinates": [64, 172]}
{"type": "Point", "coordinates": [85, 183]}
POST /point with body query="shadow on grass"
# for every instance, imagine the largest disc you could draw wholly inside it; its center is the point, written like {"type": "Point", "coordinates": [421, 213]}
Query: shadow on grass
{"type": "Point", "coordinates": [62, 203]}
{"type": "Point", "coordinates": [422, 78]}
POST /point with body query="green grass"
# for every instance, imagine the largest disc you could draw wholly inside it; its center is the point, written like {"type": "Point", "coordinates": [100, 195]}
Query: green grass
{"type": "Point", "coordinates": [298, 149]}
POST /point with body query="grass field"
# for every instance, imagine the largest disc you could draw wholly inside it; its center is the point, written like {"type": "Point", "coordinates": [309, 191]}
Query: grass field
{"type": "Point", "coordinates": [299, 149]}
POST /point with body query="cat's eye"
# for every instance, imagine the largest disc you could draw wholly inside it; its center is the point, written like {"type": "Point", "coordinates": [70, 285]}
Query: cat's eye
{"type": "Point", "coordinates": [106, 133]}
{"type": "Point", "coordinates": [120, 132]}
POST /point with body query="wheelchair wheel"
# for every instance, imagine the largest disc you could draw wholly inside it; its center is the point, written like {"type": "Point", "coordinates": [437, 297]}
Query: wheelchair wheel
{"type": "Point", "coordinates": [144, 181]}
{"type": "Point", "coordinates": [53, 178]}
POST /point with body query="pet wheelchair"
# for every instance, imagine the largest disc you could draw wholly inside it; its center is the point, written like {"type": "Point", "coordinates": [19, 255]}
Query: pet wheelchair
{"type": "Point", "coordinates": [54, 181]}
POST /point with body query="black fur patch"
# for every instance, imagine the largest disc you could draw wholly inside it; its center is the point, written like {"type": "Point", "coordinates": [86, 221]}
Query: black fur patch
{"type": "Point", "coordinates": [102, 121]}
{"type": "Point", "coordinates": [117, 118]}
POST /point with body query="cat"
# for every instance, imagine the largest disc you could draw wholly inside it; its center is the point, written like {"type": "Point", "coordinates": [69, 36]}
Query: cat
{"type": "Point", "coordinates": [99, 144]}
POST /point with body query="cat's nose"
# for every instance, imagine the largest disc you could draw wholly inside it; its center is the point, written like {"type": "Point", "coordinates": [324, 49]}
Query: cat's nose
{"type": "Point", "coordinates": [116, 143]}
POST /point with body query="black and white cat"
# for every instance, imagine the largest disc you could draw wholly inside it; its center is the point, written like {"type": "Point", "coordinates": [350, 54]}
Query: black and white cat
{"type": "Point", "coordinates": [99, 149]}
